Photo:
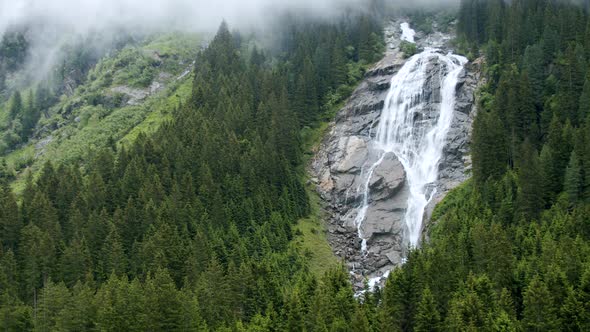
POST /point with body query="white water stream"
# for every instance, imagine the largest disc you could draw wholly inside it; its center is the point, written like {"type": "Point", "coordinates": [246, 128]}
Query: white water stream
{"type": "Point", "coordinates": [415, 136]}
{"type": "Point", "coordinates": [407, 32]}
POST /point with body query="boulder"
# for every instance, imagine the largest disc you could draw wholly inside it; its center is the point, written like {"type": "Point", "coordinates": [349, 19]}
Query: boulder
{"type": "Point", "coordinates": [387, 179]}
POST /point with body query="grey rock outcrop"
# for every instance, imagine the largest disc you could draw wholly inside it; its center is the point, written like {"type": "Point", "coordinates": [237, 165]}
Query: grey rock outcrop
{"type": "Point", "coordinates": [341, 164]}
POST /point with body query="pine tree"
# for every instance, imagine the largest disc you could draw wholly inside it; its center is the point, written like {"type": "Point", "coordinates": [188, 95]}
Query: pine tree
{"type": "Point", "coordinates": [360, 322]}
{"type": "Point", "coordinates": [571, 84]}
{"type": "Point", "coordinates": [571, 310]}
{"type": "Point", "coordinates": [294, 313]}
{"type": "Point", "coordinates": [396, 310]}
{"type": "Point", "coordinates": [365, 53]}
{"type": "Point", "coordinates": [427, 316]}
{"type": "Point", "coordinates": [10, 223]}
{"type": "Point", "coordinates": [561, 151]}
{"type": "Point", "coordinates": [584, 110]}
{"type": "Point", "coordinates": [583, 297]}
{"type": "Point", "coordinates": [214, 295]}
{"type": "Point", "coordinates": [494, 29]}
{"type": "Point", "coordinates": [163, 303]}
{"type": "Point", "coordinates": [338, 70]}
{"type": "Point", "coordinates": [526, 114]}
{"type": "Point", "coordinates": [549, 175]}
{"type": "Point", "coordinates": [113, 259]}
{"type": "Point", "coordinates": [75, 262]}
{"type": "Point", "coordinates": [506, 304]}
{"type": "Point", "coordinates": [52, 300]}
{"type": "Point", "coordinates": [191, 320]}
{"type": "Point", "coordinates": [530, 188]}
{"type": "Point", "coordinates": [122, 306]}
{"type": "Point", "coordinates": [37, 258]}
{"type": "Point", "coordinates": [16, 105]}
{"type": "Point", "coordinates": [534, 68]}
{"type": "Point", "coordinates": [79, 313]}
{"type": "Point", "coordinates": [16, 317]}
{"type": "Point", "coordinates": [573, 178]}
{"type": "Point", "coordinates": [9, 276]}
{"type": "Point", "coordinates": [538, 314]}
{"type": "Point", "coordinates": [489, 148]}
{"type": "Point", "coordinates": [504, 323]}
{"type": "Point", "coordinates": [2, 78]}
{"type": "Point", "coordinates": [30, 116]}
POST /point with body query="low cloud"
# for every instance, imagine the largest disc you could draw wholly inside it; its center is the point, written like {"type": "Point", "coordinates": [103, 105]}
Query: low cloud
{"type": "Point", "coordinates": [89, 15]}
{"type": "Point", "coordinates": [83, 16]}
{"type": "Point", "coordinates": [53, 23]}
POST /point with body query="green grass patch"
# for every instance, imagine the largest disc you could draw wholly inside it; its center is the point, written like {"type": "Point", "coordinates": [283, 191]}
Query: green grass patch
{"type": "Point", "coordinates": [164, 108]}
{"type": "Point", "coordinates": [18, 186]}
{"type": "Point", "coordinates": [181, 45]}
{"type": "Point", "coordinates": [312, 241]}
{"type": "Point", "coordinates": [3, 115]}
{"type": "Point", "coordinates": [454, 198]}
{"type": "Point", "coordinates": [19, 159]}
{"type": "Point", "coordinates": [17, 162]}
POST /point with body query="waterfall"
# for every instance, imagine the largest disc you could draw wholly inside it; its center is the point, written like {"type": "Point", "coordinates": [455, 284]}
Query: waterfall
{"type": "Point", "coordinates": [415, 135]}
{"type": "Point", "coordinates": [407, 32]}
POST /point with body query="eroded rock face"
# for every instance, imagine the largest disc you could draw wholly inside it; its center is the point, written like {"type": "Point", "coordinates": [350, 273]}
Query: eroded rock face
{"type": "Point", "coordinates": [455, 166]}
{"type": "Point", "coordinates": [341, 162]}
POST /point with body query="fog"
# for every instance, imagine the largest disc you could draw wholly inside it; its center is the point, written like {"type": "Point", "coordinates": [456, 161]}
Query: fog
{"type": "Point", "coordinates": [51, 24]}
{"type": "Point", "coordinates": [196, 15]}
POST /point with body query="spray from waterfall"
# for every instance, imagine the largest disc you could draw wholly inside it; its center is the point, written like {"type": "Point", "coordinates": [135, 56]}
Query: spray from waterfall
{"type": "Point", "coordinates": [415, 135]}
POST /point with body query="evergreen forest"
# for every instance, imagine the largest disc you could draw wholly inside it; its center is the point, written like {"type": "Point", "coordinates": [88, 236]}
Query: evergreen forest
{"type": "Point", "coordinates": [192, 224]}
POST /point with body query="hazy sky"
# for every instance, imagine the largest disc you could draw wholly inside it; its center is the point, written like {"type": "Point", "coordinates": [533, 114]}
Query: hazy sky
{"type": "Point", "coordinates": [84, 15]}
{"type": "Point", "coordinates": [54, 21]}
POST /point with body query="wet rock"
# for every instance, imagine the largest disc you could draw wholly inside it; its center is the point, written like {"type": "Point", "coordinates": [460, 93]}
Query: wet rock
{"type": "Point", "coordinates": [388, 178]}
{"type": "Point", "coordinates": [341, 230]}
{"type": "Point", "coordinates": [342, 162]}
{"type": "Point", "coordinates": [382, 84]}
{"type": "Point", "coordinates": [350, 155]}
{"type": "Point", "coordinates": [382, 262]}
{"type": "Point", "coordinates": [394, 257]}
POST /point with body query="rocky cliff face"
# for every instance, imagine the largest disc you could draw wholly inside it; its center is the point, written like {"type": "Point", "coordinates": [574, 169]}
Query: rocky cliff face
{"type": "Point", "coordinates": [340, 164]}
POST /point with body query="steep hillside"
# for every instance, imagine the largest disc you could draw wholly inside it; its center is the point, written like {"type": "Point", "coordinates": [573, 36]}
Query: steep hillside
{"type": "Point", "coordinates": [131, 91]}
{"type": "Point", "coordinates": [192, 227]}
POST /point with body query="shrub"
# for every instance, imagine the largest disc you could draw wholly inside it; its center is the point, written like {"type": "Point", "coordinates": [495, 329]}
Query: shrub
{"type": "Point", "coordinates": [408, 49]}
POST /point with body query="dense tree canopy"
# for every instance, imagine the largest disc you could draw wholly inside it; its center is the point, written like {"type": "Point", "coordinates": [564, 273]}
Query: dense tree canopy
{"type": "Point", "coordinates": [190, 227]}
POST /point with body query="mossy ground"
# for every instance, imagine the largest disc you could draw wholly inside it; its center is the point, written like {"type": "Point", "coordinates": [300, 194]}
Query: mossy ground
{"type": "Point", "coordinates": [312, 239]}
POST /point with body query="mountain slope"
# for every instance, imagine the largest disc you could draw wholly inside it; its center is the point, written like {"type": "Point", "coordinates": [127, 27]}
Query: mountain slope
{"type": "Point", "coordinates": [190, 227]}
{"type": "Point", "coordinates": [133, 90]}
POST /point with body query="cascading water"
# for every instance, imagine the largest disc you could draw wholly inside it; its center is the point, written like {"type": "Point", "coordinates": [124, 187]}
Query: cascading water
{"type": "Point", "coordinates": [415, 136]}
